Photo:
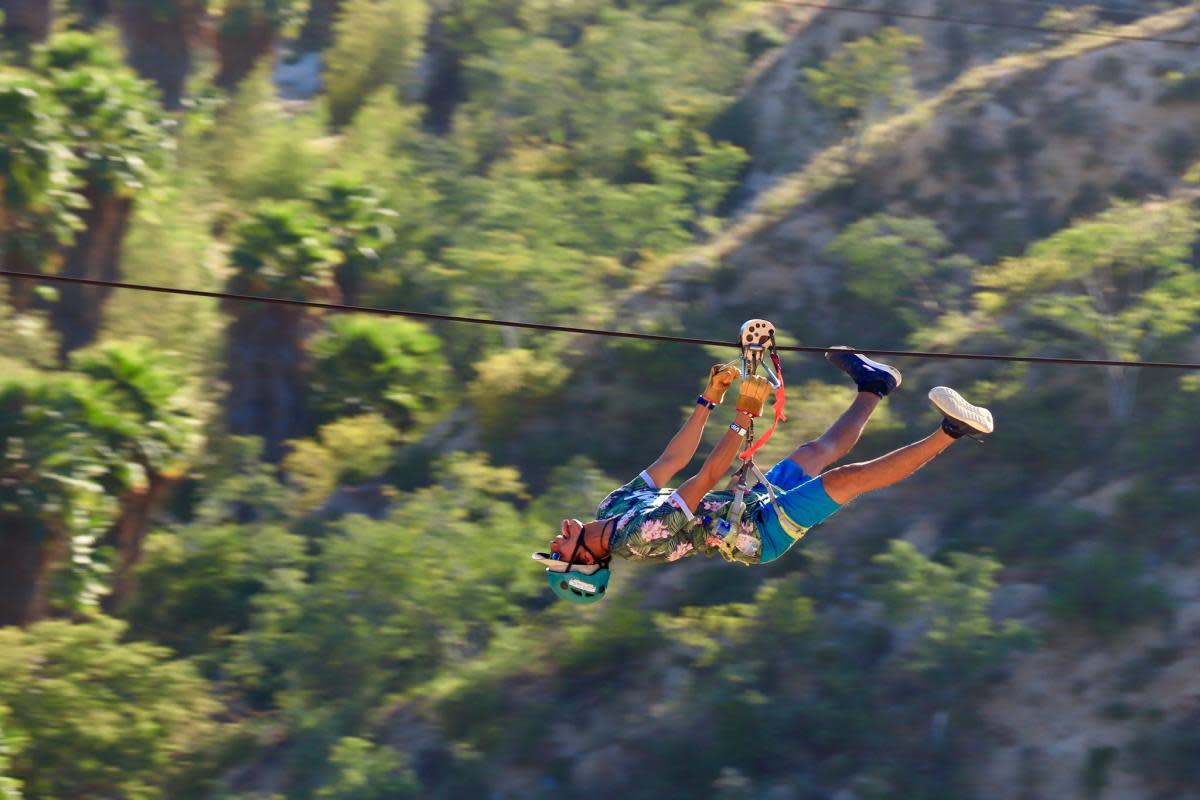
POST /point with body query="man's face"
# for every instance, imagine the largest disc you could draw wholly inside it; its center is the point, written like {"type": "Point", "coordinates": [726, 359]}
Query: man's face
{"type": "Point", "coordinates": [565, 543]}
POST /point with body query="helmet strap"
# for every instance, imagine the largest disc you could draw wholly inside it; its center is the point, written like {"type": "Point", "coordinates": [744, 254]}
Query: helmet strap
{"type": "Point", "coordinates": [581, 543]}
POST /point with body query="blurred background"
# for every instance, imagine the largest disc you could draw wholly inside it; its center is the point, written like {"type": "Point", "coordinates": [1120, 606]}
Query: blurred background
{"type": "Point", "coordinates": [253, 551]}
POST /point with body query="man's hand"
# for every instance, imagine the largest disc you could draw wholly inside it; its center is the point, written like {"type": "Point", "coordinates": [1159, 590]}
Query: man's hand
{"type": "Point", "coordinates": [720, 378]}
{"type": "Point", "coordinates": [753, 394]}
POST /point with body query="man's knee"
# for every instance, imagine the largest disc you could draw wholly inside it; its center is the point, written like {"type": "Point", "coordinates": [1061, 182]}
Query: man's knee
{"type": "Point", "coordinates": [813, 457]}
{"type": "Point", "coordinates": [843, 484]}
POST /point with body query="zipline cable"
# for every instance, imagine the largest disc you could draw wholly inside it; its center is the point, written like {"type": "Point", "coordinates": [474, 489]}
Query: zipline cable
{"type": "Point", "coordinates": [1016, 26]}
{"type": "Point", "coordinates": [1125, 11]}
{"type": "Point", "coordinates": [428, 315]}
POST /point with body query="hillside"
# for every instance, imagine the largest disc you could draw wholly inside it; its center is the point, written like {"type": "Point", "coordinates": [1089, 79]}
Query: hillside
{"type": "Point", "coordinates": [253, 551]}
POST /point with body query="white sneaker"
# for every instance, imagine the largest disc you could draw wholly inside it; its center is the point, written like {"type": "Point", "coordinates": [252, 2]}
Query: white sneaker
{"type": "Point", "coordinates": [961, 418]}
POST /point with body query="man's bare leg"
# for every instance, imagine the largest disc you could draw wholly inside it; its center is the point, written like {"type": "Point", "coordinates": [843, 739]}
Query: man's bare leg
{"type": "Point", "coordinates": [960, 418]}
{"type": "Point", "coordinates": [843, 484]}
{"type": "Point", "coordinates": [813, 457]}
{"type": "Point", "coordinates": [874, 381]}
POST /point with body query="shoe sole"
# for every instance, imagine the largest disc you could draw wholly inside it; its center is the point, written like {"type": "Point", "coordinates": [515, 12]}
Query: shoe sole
{"type": "Point", "coordinates": [895, 373]}
{"type": "Point", "coordinates": [952, 404]}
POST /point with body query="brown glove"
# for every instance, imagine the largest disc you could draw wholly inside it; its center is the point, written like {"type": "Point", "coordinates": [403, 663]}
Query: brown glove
{"type": "Point", "coordinates": [720, 378]}
{"type": "Point", "coordinates": [754, 392]}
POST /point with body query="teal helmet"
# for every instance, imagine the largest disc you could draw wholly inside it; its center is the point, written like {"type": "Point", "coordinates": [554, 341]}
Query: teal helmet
{"type": "Point", "coordinates": [577, 583]}
{"type": "Point", "coordinates": [577, 586]}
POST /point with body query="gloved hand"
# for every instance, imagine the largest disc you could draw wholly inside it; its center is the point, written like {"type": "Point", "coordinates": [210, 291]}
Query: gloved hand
{"type": "Point", "coordinates": [753, 394]}
{"type": "Point", "coordinates": [720, 378]}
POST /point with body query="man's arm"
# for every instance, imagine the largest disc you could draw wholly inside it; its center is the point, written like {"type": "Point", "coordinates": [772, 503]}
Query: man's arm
{"type": "Point", "coordinates": [682, 447]}
{"type": "Point", "coordinates": [716, 465]}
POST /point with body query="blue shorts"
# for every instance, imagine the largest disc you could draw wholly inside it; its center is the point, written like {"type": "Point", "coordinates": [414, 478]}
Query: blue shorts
{"type": "Point", "coordinates": [802, 500]}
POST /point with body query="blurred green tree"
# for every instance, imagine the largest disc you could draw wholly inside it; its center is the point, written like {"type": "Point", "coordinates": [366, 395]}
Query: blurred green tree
{"type": "Point", "coordinates": [57, 485]}
{"type": "Point", "coordinates": [160, 36]}
{"type": "Point", "coordinates": [247, 30]}
{"type": "Point", "coordinates": [38, 204]}
{"type": "Point", "coordinates": [359, 227]}
{"type": "Point", "coordinates": [146, 385]}
{"type": "Point", "coordinates": [376, 44]}
{"type": "Point", "coordinates": [347, 451]}
{"type": "Point", "coordinates": [958, 643]}
{"type": "Point", "coordinates": [197, 584]}
{"type": "Point", "coordinates": [280, 251]}
{"type": "Point", "coordinates": [10, 788]}
{"type": "Point", "coordinates": [390, 602]}
{"type": "Point", "coordinates": [866, 78]}
{"type": "Point", "coordinates": [1118, 286]}
{"type": "Point", "coordinates": [634, 67]}
{"type": "Point", "coordinates": [393, 367]}
{"type": "Point", "coordinates": [366, 771]}
{"type": "Point", "coordinates": [902, 268]}
{"type": "Point", "coordinates": [116, 130]}
{"type": "Point", "coordinates": [90, 716]}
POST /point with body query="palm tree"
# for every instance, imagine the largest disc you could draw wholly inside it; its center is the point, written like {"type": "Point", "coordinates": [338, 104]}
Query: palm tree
{"type": "Point", "coordinates": [37, 204]}
{"type": "Point", "coordinates": [26, 22]}
{"type": "Point", "coordinates": [281, 251]}
{"type": "Point", "coordinates": [116, 128]}
{"type": "Point", "coordinates": [246, 31]}
{"type": "Point", "coordinates": [159, 38]}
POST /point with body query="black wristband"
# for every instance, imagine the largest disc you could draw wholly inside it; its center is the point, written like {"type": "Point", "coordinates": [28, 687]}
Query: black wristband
{"type": "Point", "coordinates": [704, 401]}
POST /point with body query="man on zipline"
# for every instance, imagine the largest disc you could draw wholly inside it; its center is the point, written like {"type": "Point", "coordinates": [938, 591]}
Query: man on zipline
{"type": "Point", "coordinates": [642, 521]}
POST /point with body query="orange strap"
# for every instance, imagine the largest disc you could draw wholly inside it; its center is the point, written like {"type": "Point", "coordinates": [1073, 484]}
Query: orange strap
{"type": "Point", "coordinates": [780, 398]}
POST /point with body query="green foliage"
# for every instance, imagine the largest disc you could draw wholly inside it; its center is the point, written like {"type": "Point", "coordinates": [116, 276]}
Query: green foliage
{"type": "Point", "coordinates": [899, 267]}
{"type": "Point", "coordinates": [358, 226]}
{"type": "Point", "coordinates": [1118, 286]}
{"type": "Point", "coordinates": [93, 716]}
{"type": "Point", "coordinates": [196, 586]}
{"type": "Point", "coordinates": [509, 384]}
{"type": "Point", "coordinates": [377, 44]}
{"type": "Point", "coordinates": [27, 342]}
{"type": "Point", "coordinates": [10, 788]}
{"type": "Point", "coordinates": [146, 384]}
{"type": "Point", "coordinates": [391, 601]}
{"type": "Point", "coordinates": [1104, 589]}
{"type": "Point", "coordinates": [37, 199]}
{"type": "Point", "coordinates": [115, 123]}
{"type": "Point", "coordinates": [1180, 87]}
{"type": "Point", "coordinates": [282, 251]}
{"type": "Point", "coordinates": [255, 149]}
{"type": "Point", "coordinates": [347, 451]}
{"type": "Point", "coordinates": [867, 77]}
{"type": "Point", "coordinates": [76, 445]}
{"type": "Point", "coordinates": [60, 473]}
{"type": "Point", "coordinates": [365, 771]}
{"type": "Point", "coordinates": [388, 366]}
{"type": "Point", "coordinates": [636, 68]}
{"type": "Point", "coordinates": [240, 16]}
{"type": "Point", "coordinates": [573, 490]}
{"type": "Point", "coordinates": [959, 643]}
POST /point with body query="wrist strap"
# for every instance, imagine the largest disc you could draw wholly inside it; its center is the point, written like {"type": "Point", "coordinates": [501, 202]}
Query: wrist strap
{"type": "Point", "coordinates": [704, 401]}
{"type": "Point", "coordinates": [738, 429]}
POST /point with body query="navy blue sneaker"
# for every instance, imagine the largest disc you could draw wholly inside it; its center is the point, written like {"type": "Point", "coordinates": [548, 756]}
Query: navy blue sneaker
{"type": "Point", "coordinates": [870, 376]}
{"type": "Point", "coordinates": [960, 418]}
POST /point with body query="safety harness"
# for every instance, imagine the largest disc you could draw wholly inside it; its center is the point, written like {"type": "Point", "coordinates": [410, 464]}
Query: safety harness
{"type": "Point", "coordinates": [756, 340]}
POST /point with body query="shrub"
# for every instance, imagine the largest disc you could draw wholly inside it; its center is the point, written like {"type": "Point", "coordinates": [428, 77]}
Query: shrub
{"type": "Point", "coordinates": [377, 44]}
{"type": "Point", "coordinates": [1103, 588]}
{"type": "Point", "coordinates": [93, 717]}
{"type": "Point", "coordinates": [1169, 756]}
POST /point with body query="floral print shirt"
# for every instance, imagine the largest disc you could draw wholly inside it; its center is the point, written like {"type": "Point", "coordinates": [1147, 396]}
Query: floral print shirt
{"type": "Point", "coordinates": [654, 525]}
